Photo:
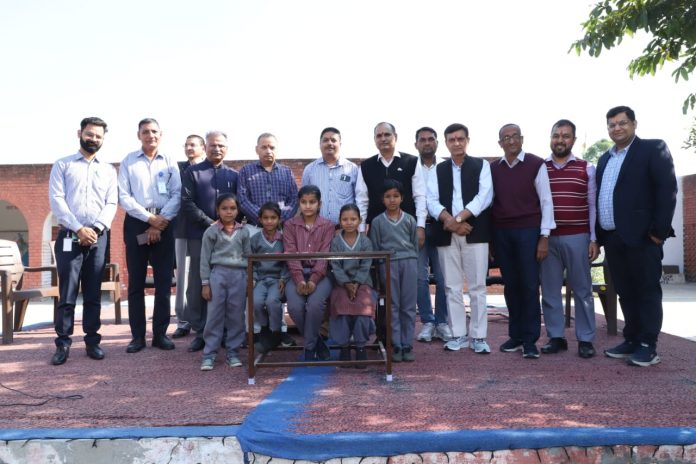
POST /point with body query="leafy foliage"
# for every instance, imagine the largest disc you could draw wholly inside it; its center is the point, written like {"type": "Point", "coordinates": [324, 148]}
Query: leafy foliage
{"type": "Point", "coordinates": [670, 23]}
{"type": "Point", "coordinates": [596, 150]}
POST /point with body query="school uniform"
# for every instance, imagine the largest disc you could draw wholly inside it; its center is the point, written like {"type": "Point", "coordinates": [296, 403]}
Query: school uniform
{"type": "Point", "coordinates": [400, 237]}
{"type": "Point", "coordinates": [223, 268]}
{"type": "Point", "coordinates": [351, 317]}
{"type": "Point", "coordinates": [268, 309]}
{"type": "Point", "coordinates": [308, 311]}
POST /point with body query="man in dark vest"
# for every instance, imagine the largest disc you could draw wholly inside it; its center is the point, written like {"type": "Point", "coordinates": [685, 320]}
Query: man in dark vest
{"type": "Point", "coordinates": [369, 188]}
{"type": "Point", "coordinates": [460, 198]}
{"type": "Point", "coordinates": [522, 215]}
{"type": "Point", "coordinates": [390, 164]}
{"type": "Point", "coordinates": [572, 245]}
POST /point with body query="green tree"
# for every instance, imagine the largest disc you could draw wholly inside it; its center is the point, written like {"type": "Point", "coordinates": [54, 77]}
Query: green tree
{"type": "Point", "coordinates": [671, 25]}
{"type": "Point", "coordinates": [596, 150]}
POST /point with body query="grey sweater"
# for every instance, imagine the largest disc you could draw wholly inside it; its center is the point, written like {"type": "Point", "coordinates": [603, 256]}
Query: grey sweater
{"type": "Point", "coordinates": [218, 248]}
{"type": "Point", "coordinates": [265, 269]}
{"type": "Point", "coordinates": [351, 270]}
{"type": "Point", "coordinates": [397, 236]}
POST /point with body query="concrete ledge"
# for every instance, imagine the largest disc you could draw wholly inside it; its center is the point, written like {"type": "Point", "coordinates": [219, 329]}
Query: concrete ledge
{"type": "Point", "coordinates": [619, 454]}
{"type": "Point", "coordinates": [102, 451]}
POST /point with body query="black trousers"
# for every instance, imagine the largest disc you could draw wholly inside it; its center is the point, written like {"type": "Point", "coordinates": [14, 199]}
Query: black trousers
{"type": "Point", "coordinates": [161, 257]}
{"type": "Point", "coordinates": [636, 272]}
{"type": "Point", "coordinates": [81, 266]}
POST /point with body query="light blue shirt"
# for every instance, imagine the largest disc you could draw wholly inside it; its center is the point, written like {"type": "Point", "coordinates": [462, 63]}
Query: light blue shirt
{"type": "Point", "coordinates": [149, 184]}
{"type": "Point", "coordinates": [336, 183]}
{"type": "Point", "coordinates": [605, 201]}
{"type": "Point", "coordinates": [83, 193]}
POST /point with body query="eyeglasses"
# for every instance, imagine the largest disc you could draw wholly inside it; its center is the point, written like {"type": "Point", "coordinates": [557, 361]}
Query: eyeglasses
{"type": "Point", "coordinates": [621, 124]}
{"type": "Point", "coordinates": [513, 137]}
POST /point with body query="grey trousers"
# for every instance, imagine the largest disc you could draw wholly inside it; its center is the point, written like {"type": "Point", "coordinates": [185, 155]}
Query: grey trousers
{"type": "Point", "coordinates": [404, 292]}
{"type": "Point", "coordinates": [360, 327]}
{"type": "Point", "coordinates": [308, 311]}
{"type": "Point", "coordinates": [268, 309]}
{"type": "Point", "coordinates": [182, 269]}
{"type": "Point", "coordinates": [569, 253]}
{"type": "Point", "coordinates": [196, 306]}
{"type": "Point", "coordinates": [225, 310]}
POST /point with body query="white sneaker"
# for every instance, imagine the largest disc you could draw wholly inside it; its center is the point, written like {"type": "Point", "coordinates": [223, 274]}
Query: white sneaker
{"type": "Point", "coordinates": [443, 332]}
{"type": "Point", "coordinates": [480, 346]}
{"type": "Point", "coordinates": [457, 344]}
{"type": "Point", "coordinates": [426, 333]}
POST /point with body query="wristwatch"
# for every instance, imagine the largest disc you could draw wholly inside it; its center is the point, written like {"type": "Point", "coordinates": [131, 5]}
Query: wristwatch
{"type": "Point", "coordinates": [458, 219]}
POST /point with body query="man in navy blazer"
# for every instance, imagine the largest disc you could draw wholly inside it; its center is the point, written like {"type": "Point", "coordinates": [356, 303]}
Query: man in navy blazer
{"type": "Point", "coordinates": [637, 195]}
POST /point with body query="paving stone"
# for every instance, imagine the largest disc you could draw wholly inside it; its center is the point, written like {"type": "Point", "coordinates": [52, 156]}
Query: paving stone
{"type": "Point", "coordinates": [477, 457]}
{"type": "Point", "coordinates": [517, 456]}
{"type": "Point", "coordinates": [669, 453]}
{"type": "Point", "coordinates": [643, 452]}
{"type": "Point", "coordinates": [434, 458]}
{"type": "Point", "coordinates": [690, 453]}
{"type": "Point", "coordinates": [410, 458]}
{"type": "Point", "coordinates": [374, 460]}
{"type": "Point", "coordinates": [556, 455]}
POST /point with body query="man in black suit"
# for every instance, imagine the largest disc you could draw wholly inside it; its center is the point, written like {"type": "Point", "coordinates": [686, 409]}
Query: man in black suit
{"type": "Point", "coordinates": [637, 192]}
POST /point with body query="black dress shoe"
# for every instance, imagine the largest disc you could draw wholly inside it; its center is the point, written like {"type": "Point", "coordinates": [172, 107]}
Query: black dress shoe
{"type": "Point", "coordinates": [162, 342]}
{"type": "Point", "coordinates": [180, 333]}
{"type": "Point", "coordinates": [586, 350]}
{"type": "Point", "coordinates": [555, 345]}
{"type": "Point", "coordinates": [95, 352]}
{"type": "Point", "coordinates": [135, 345]}
{"type": "Point", "coordinates": [61, 355]}
{"type": "Point", "coordinates": [196, 345]}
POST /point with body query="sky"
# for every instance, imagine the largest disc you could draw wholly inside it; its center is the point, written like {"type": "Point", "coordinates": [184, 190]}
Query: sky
{"type": "Point", "coordinates": [294, 67]}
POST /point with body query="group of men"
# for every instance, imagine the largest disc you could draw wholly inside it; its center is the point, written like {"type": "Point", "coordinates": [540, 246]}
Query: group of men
{"type": "Point", "coordinates": [544, 219]}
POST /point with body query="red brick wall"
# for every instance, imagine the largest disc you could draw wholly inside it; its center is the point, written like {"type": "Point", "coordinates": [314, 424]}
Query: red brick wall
{"type": "Point", "coordinates": [26, 187]}
{"type": "Point", "coordinates": [689, 192]}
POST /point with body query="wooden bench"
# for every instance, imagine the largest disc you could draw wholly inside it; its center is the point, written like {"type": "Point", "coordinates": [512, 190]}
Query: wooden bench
{"type": "Point", "coordinates": [14, 294]}
{"type": "Point", "coordinates": [111, 282]}
{"type": "Point", "coordinates": [384, 349]}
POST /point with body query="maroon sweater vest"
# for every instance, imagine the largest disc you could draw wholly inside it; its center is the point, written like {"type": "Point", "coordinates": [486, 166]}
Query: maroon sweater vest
{"type": "Point", "coordinates": [516, 203]}
{"type": "Point", "coordinates": [569, 190]}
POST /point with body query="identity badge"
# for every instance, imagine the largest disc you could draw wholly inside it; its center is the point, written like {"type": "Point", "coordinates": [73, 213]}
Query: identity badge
{"type": "Point", "coordinates": [161, 184]}
{"type": "Point", "coordinates": [345, 178]}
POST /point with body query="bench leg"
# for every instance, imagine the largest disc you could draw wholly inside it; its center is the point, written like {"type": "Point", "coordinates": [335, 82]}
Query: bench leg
{"type": "Point", "coordinates": [19, 313]}
{"type": "Point", "coordinates": [117, 304]}
{"type": "Point", "coordinates": [7, 329]}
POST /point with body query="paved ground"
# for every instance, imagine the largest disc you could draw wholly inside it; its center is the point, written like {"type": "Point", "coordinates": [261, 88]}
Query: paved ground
{"type": "Point", "coordinates": [440, 392]}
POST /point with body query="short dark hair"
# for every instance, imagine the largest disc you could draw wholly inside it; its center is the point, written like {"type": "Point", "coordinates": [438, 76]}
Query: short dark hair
{"type": "Point", "coordinates": [270, 206]}
{"type": "Point", "coordinates": [93, 121]}
{"type": "Point", "coordinates": [196, 136]}
{"type": "Point", "coordinates": [309, 190]}
{"type": "Point", "coordinates": [330, 129]}
{"type": "Point", "coordinates": [500, 132]}
{"type": "Point", "coordinates": [147, 121]}
{"type": "Point", "coordinates": [393, 184]}
{"type": "Point", "coordinates": [456, 127]}
{"type": "Point", "coordinates": [226, 196]}
{"type": "Point", "coordinates": [621, 109]}
{"type": "Point", "coordinates": [391, 126]}
{"type": "Point", "coordinates": [425, 129]}
{"type": "Point", "coordinates": [349, 207]}
{"type": "Point", "coordinates": [564, 123]}
{"type": "Point", "coordinates": [265, 135]}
